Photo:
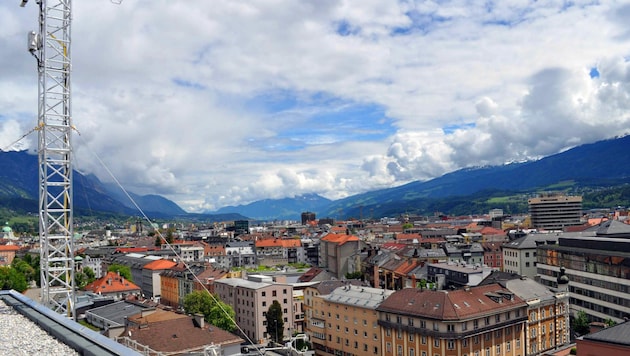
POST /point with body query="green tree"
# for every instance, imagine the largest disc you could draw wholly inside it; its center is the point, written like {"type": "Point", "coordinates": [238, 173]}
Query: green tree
{"type": "Point", "coordinates": [10, 278]}
{"type": "Point", "coordinates": [124, 271]}
{"type": "Point", "coordinates": [609, 322]}
{"type": "Point", "coordinates": [275, 322]}
{"type": "Point", "coordinates": [581, 323]}
{"type": "Point", "coordinates": [214, 311]}
{"type": "Point", "coordinates": [89, 273]}
{"type": "Point", "coordinates": [354, 275]}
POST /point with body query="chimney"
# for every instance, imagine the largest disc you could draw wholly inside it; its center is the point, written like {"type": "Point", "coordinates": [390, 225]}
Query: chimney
{"type": "Point", "coordinates": [199, 321]}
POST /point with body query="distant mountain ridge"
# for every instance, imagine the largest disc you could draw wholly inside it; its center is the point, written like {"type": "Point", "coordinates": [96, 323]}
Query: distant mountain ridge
{"type": "Point", "coordinates": [278, 209]}
{"type": "Point", "coordinates": [588, 169]}
{"type": "Point", "coordinates": [19, 182]}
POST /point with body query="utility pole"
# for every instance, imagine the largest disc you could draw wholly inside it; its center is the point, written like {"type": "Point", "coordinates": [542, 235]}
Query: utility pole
{"type": "Point", "coordinates": [51, 48]}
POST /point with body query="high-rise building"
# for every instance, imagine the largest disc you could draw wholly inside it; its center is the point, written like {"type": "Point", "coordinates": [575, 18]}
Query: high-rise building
{"type": "Point", "coordinates": [553, 211]}
{"type": "Point", "coordinates": [307, 216]}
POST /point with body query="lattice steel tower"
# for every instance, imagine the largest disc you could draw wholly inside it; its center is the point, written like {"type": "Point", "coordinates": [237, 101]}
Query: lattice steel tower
{"type": "Point", "coordinates": [51, 48]}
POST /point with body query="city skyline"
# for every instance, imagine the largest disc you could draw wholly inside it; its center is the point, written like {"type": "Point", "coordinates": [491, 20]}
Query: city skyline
{"type": "Point", "coordinates": [227, 103]}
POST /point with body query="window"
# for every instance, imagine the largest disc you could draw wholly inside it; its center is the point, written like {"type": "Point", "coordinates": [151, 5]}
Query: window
{"type": "Point", "coordinates": [423, 324]}
{"type": "Point", "coordinates": [436, 342]}
{"type": "Point", "coordinates": [532, 316]}
{"type": "Point", "coordinates": [346, 329]}
{"type": "Point", "coordinates": [412, 352]}
{"type": "Point", "coordinates": [533, 333]}
{"type": "Point", "coordinates": [450, 344]}
{"type": "Point", "coordinates": [436, 326]}
{"type": "Point", "coordinates": [542, 329]}
{"type": "Point", "coordinates": [498, 347]}
{"type": "Point", "coordinates": [450, 327]}
{"type": "Point", "coordinates": [264, 294]}
{"type": "Point", "coordinates": [423, 340]}
{"type": "Point", "coordinates": [399, 350]}
{"type": "Point", "coordinates": [388, 332]}
{"type": "Point", "coordinates": [388, 347]}
{"type": "Point", "coordinates": [399, 334]}
{"type": "Point", "coordinates": [487, 351]}
{"type": "Point", "coordinates": [375, 350]}
{"type": "Point", "coordinates": [273, 293]}
{"type": "Point", "coordinates": [284, 291]}
{"type": "Point", "coordinates": [411, 337]}
{"type": "Point", "coordinates": [497, 333]}
{"type": "Point", "coordinates": [464, 326]}
{"type": "Point", "coordinates": [264, 304]}
{"type": "Point", "coordinates": [398, 319]}
{"type": "Point", "coordinates": [465, 342]}
{"type": "Point", "coordinates": [487, 320]}
{"type": "Point", "coordinates": [284, 301]}
{"type": "Point", "coordinates": [475, 324]}
{"type": "Point", "coordinates": [508, 346]}
{"type": "Point", "coordinates": [497, 318]}
{"type": "Point", "coordinates": [542, 313]}
{"type": "Point", "coordinates": [476, 339]}
{"type": "Point", "coordinates": [518, 343]}
{"type": "Point", "coordinates": [410, 321]}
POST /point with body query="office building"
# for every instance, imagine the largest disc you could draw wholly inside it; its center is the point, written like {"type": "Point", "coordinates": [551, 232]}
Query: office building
{"type": "Point", "coordinates": [552, 211]}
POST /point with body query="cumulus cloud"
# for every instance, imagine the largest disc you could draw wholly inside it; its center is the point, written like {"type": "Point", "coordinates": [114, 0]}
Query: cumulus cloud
{"type": "Point", "coordinates": [224, 103]}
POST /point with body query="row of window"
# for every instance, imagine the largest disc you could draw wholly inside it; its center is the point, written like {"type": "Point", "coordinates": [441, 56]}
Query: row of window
{"type": "Point", "coordinates": [450, 345]}
{"type": "Point", "coordinates": [451, 327]}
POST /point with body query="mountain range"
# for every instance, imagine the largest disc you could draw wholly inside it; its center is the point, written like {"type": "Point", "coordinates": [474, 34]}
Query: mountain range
{"type": "Point", "coordinates": [599, 171]}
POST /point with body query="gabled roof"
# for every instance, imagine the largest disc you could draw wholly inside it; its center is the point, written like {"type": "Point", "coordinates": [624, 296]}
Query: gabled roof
{"type": "Point", "coordinates": [112, 283]}
{"type": "Point", "coordinates": [178, 334]}
{"type": "Point", "coordinates": [275, 242]}
{"type": "Point", "coordinates": [451, 305]}
{"type": "Point", "coordinates": [339, 239]}
{"type": "Point", "coordinates": [160, 265]}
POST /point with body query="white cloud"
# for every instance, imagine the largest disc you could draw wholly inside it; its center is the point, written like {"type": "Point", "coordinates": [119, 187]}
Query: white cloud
{"type": "Point", "coordinates": [226, 102]}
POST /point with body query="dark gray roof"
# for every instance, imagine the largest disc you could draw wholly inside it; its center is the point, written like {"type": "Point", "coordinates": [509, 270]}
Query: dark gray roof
{"type": "Point", "coordinates": [618, 334]}
{"type": "Point", "coordinates": [530, 241]}
{"type": "Point", "coordinates": [117, 312]}
{"type": "Point", "coordinates": [613, 228]}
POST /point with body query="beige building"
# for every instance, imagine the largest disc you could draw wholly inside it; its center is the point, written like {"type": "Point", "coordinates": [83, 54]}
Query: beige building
{"type": "Point", "coordinates": [343, 321]}
{"type": "Point", "coordinates": [336, 253]}
{"type": "Point", "coordinates": [485, 320]}
{"type": "Point", "coordinates": [251, 299]}
{"type": "Point", "coordinates": [552, 211]}
{"type": "Point", "coordinates": [519, 256]}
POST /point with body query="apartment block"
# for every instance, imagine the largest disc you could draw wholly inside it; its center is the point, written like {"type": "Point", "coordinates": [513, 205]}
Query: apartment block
{"type": "Point", "coordinates": [345, 322]}
{"type": "Point", "coordinates": [519, 256]}
{"type": "Point", "coordinates": [251, 300]}
{"type": "Point", "coordinates": [477, 321]}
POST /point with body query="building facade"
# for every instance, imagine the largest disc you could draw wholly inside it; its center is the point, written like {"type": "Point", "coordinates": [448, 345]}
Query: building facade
{"type": "Point", "coordinates": [478, 321]}
{"type": "Point", "coordinates": [555, 211]}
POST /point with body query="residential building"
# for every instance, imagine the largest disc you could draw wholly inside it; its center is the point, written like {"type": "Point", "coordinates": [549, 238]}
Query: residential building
{"type": "Point", "coordinates": [151, 283]}
{"type": "Point", "coordinates": [456, 275]}
{"type": "Point", "coordinates": [7, 254]}
{"type": "Point", "coordinates": [554, 211]}
{"type": "Point", "coordinates": [597, 264]}
{"type": "Point", "coordinates": [476, 321]}
{"type": "Point", "coordinates": [492, 255]}
{"type": "Point", "coordinates": [335, 251]}
{"type": "Point", "coordinates": [168, 333]}
{"type": "Point", "coordinates": [345, 322]}
{"type": "Point", "coordinates": [251, 300]}
{"type": "Point", "coordinates": [113, 315]}
{"type": "Point", "coordinates": [519, 256]}
{"type": "Point", "coordinates": [277, 251]}
{"type": "Point", "coordinates": [548, 326]}
{"type": "Point", "coordinates": [468, 253]}
{"type": "Point", "coordinates": [114, 285]}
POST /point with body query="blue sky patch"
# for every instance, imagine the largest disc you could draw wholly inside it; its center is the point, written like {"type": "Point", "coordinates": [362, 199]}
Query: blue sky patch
{"type": "Point", "coordinates": [187, 84]}
{"type": "Point", "coordinates": [301, 120]}
{"type": "Point", "coordinates": [594, 73]}
{"type": "Point", "coordinates": [449, 129]}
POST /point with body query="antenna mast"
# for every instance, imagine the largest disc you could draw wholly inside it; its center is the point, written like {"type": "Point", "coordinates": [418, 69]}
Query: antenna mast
{"type": "Point", "coordinates": [51, 48]}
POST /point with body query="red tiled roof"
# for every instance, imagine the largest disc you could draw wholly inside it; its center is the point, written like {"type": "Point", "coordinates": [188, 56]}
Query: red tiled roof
{"type": "Point", "coordinates": [178, 334]}
{"type": "Point", "coordinates": [112, 283]}
{"type": "Point", "coordinates": [286, 243]}
{"type": "Point", "coordinates": [408, 236]}
{"type": "Point", "coordinates": [4, 248]}
{"type": "Point", "coordinates": [449, 305]}
{"type": "Point", "coordinates": [159, 265]}
{"type": "Point", "coordinates": [339, 239]}
{"type": "Point", "coordinates": [488, 230]}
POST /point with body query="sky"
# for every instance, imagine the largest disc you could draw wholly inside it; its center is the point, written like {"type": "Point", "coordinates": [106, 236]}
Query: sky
{"type": "Point", "coordinates": [217, 103]}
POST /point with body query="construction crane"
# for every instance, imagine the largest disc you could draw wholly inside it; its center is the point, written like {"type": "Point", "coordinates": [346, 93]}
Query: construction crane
{"type": "Point", "coordinates": [51, 47]}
